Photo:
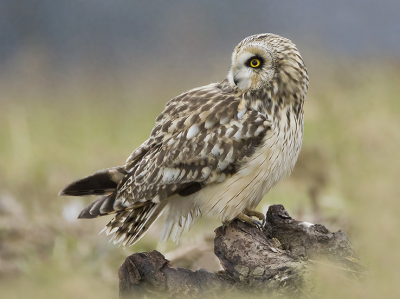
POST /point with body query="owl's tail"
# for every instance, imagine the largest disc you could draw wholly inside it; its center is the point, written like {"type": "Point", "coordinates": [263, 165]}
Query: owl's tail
{"type": "Point", "coordinates": [131, 222]}
{"type": "Point", "coordinates": [129, 226]}
{"type": "Point", "coordinates": [102, 182]}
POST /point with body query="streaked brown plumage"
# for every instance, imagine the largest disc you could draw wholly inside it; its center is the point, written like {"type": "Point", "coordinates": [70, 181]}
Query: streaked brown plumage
{"type": "Point", "coordinates": [216, 149]}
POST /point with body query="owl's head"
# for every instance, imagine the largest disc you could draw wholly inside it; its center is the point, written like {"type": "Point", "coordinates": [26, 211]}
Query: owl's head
{"type": "Point", "coordinates": [267, 61]}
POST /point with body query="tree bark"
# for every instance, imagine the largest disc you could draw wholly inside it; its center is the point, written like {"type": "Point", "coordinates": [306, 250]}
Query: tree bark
{"type": "Point", "coordinates": [275, 262]}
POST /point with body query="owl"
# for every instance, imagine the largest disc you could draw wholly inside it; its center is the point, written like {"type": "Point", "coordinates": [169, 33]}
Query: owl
{"type": "Point", "coordinates": [215, 150]}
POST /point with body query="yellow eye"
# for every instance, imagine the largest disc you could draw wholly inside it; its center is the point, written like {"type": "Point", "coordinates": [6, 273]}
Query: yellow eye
{"type": "Point", "coordinates": [255, 63]}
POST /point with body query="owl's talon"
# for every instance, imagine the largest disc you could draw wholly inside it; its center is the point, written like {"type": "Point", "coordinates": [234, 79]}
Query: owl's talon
{"type": "Point", "coordinates": [244, 218]}
{"type": "Point", "coordinates": [257, 224]}
{"type": "Point", "coordinates": [264, 222]}
{"type": "Point", "coordinates": [259, 215]}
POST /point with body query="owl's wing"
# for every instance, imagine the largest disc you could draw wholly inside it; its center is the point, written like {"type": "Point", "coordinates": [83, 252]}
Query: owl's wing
{"type": "Point", "coordinates": [201, 137]}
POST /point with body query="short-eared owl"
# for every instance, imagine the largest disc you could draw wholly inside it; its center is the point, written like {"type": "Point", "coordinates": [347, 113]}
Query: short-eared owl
{"type": "Point", "coordinates": [215, 150]}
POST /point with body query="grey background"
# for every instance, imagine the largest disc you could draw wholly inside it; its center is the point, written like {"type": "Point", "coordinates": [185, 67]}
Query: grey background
{"type": "Point", "coordinates": [126, 33]}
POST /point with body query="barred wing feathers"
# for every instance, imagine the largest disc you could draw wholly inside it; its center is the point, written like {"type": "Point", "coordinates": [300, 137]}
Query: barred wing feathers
{"type": "Point", "coordinates": [201, 138]}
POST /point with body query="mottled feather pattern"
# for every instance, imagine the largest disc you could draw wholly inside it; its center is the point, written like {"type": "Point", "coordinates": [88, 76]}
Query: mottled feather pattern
{"type": "Point", "coordinates": [208, 155]}
{"type": "Point", "coordinates": [215, 149]}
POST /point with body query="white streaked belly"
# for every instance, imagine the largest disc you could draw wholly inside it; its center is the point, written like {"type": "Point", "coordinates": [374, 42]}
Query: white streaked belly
{"type": "Point", "coordinates": [271, 162]}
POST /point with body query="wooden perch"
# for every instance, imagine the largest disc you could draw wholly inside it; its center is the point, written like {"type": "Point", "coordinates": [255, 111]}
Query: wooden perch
{"type": "Point", "coordinates": [275, 262]}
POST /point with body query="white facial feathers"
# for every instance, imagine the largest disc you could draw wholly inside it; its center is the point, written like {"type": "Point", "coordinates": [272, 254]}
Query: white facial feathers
{"type": "Point", "coordinates": [281, 65]}
{"type": "Point", "coordinates": [246, 77]}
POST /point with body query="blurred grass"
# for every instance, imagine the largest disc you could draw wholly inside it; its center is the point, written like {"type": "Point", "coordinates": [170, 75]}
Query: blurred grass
{"type": "Point", "coordinates": [347, 178]}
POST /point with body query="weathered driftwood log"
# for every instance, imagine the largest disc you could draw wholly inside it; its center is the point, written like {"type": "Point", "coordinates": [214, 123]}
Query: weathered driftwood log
{"type": "Point", "coordinates": [275, 262]}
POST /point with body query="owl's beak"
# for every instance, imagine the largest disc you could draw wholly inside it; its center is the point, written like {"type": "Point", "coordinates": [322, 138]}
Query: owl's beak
{"type": "Point", "coordinates": [235, 80]}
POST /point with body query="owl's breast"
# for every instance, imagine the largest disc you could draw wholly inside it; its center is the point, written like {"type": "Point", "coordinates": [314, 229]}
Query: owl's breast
{"type": "Point", "coordinates": [282, 148]}
{"type": "Point", "coordinates": [272, 161]}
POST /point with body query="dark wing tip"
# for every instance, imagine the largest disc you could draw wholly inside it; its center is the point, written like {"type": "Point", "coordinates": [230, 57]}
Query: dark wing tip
{"type": "Point", "coordinates": [66, 191]}
{"type": "Point", "coordinates": [189, 190]}
{"type": "Point", "coordinates": [62, 193]}
{"type": "Point", "coordinates": [98, 183]}
{"type": "Point", "coordinates": [99, 207]}
{"type": "Point", "coordinates": [72, 190]}
{"type": "Point", "coordinates": [85, 214]}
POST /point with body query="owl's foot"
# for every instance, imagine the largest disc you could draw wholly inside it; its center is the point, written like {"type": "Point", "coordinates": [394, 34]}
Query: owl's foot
{"type": "Point", "coordinates": [245, 218]}
{"type": "Point", "coordinates": [257, 214]}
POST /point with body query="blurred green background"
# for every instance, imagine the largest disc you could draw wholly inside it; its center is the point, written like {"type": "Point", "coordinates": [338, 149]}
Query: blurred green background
{"type": "Point", "coordinates": [82, 82]}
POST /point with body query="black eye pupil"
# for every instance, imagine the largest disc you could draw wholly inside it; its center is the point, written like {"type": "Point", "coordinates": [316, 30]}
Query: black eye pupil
{"type": "Point", "coordinates": [255, 62]}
